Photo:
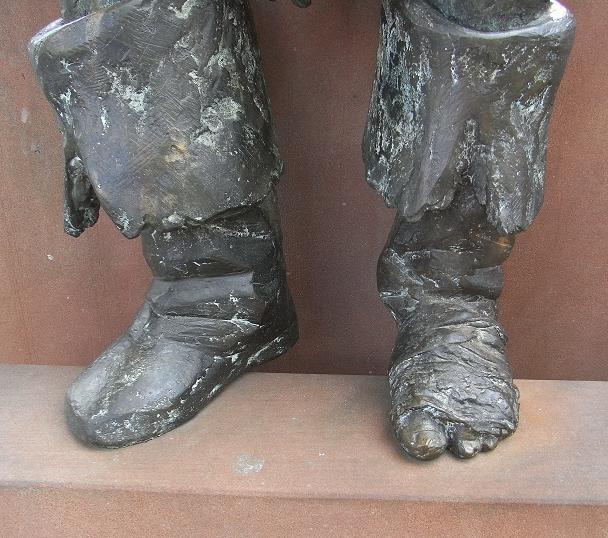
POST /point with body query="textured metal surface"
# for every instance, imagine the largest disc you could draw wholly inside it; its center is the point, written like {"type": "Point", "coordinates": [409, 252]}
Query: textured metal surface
{"type": "Point", "coordinates": [450, 383]}
{"type": "Point", "coordinates": [456, 141]}
{"type": "Point", "coordinates": [295, 455]}
{"type": "Point", "coordinates": [319, 66]}
{"type": "Point", "coordinates": [451, 104]}
{"type": "Point", "coordinates": [462, 128]}
{"type": "Point", "coordinates": [491, 15]}
{"type": "Point", "coordinates": [167, 127]}
{"type": "Point", "coordinates": [164, 110]}
{"type": "Point", "coordinates": [218, 305]}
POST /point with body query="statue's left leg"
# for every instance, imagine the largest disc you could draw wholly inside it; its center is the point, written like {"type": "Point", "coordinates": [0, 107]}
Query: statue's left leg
{"type": "Point", "coordinates": [456, 141]}
{"type": "Point", "coordinates": [451, 385]}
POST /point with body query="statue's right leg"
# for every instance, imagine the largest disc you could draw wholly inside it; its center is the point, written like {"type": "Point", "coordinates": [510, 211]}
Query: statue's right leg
{"type": "Point", "coordinates": [218, 304]}
{"type": "Point", "coordinates": [167, 127]}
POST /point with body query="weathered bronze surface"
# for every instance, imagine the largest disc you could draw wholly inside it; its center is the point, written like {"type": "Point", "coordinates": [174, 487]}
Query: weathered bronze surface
{"type": "Point", "coordinates": [456, 141]}
{"type": "Point", "coordinates": [167, 128]}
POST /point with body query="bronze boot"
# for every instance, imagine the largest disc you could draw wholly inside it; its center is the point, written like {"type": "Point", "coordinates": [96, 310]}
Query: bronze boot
{"type": "Point", "coordinates": [218, 305]}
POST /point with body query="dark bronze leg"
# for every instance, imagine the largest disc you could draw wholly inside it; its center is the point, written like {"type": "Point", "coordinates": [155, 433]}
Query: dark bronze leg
{"type": "Point", "coordinates": [456, 142]}
{"type": "Point", "coordinates": [218, 304]}
{"type": "Point", "coordinates": [167, 127]}
{"type": "Point", "coordinates": [450, 383]}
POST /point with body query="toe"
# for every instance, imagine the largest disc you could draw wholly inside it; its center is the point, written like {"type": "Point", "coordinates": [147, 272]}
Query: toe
{"type": "Point", "coordinates": [465, 443]}
{"type": "Point", "coordinates": [488, 443]}
{"type": "Point", "coordinates": [421, 436]}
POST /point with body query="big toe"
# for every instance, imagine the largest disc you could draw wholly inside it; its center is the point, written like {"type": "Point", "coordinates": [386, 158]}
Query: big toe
{"type": "Point", "coordinates": [422, 436]}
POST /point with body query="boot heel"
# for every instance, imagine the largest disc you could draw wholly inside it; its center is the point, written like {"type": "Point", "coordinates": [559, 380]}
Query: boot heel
{"type": "Point", "coordinates": [276, 347]}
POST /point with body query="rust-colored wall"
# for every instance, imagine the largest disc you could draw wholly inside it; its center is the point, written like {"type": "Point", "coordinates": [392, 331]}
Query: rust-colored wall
{"type": "Point", "coordinates": [63, 300]}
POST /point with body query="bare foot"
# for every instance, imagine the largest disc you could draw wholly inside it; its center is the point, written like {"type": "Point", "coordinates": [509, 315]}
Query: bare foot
{"type": "Point", "coordinates": [451, 386]}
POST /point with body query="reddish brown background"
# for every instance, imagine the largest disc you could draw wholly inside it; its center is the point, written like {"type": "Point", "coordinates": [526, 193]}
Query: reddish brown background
{"type": "Point", "coordinates": [63, 300]}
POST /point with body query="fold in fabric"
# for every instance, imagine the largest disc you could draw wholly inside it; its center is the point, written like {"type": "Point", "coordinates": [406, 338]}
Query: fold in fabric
{"type": "Point", "coordinates": [164, 104]}
{"type": "Point", "coordinates": [451, 104]}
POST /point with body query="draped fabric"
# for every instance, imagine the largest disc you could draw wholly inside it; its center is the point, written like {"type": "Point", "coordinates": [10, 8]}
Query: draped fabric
{"type": "Point", "coordinates": [164, 111]}
{"type": "Point", "coordinates": [453, 105]}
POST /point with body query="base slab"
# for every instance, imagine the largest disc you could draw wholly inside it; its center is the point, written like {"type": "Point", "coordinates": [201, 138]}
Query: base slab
{"type": "Point", "coordinates": [300, 455]}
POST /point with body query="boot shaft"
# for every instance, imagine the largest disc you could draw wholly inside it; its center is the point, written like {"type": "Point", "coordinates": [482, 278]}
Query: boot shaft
{"type": "Point", "coordinates": [449, 254]}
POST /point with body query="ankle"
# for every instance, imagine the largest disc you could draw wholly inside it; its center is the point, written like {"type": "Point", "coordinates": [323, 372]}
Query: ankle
{"type": "Point", "coordinates": [243, 242]}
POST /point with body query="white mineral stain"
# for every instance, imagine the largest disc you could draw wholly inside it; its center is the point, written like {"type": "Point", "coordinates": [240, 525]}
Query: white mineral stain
{"type": "Point", "coordinates": [216, 118]}
{"type": "Point", "coordinates": [175, 219]}
{"type": "Point", "coordinates": [224, 59]}
{"type": "Point", "coordinates": [122, 220]}
{"type": "Point", "coordinates": [66, 101]}
{"type": "Point", "coordinates": [104, 118]}
{"type": "Point", "coordinates": [215, 390]}
{"type": "Point", "coordinates": [185, 10]}
{"type": "Point", "coordinates": [66, 65]}
{"type": "Point", "coordinates": [25, 115]}
{"type": "Point", "coordinates": [100, 413]}
{"type": "Point", "coordinates": [247, 464]}
{"type": "Point", "coordinates": [134, 98]}
{"type": "Point", "coordinates": [454, 69]}
{"type": "Point", "coordinates": [195, 386]}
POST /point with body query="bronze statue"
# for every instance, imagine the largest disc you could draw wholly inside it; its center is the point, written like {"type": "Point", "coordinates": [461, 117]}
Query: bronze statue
{"type": "Point", "coordinates": [167, 127]}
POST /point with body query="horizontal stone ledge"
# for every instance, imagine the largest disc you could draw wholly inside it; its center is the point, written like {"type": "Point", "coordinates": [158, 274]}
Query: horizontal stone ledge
{"type": "Point", "coordinates": [300, 455]}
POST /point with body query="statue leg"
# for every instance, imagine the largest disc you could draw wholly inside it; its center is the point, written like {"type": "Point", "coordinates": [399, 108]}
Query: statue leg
{"type": "Point", "coordinates": [218, 304]}
{"type": "Point", "coordinates": [450, 382]}
{"type": "Point", "coordinates": [175, 142]}
{"type": "Point", "coordinates": [456, 141]}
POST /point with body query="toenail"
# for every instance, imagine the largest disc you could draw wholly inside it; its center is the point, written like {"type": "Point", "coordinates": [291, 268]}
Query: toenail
{"type": "Point", "coordinates": [429, 444]}
{"type": "Point", "coordinates": [489, 442]}
{"type": "Point", "coordinates": [428, 439]}
{"type": "Point", "coordinates": [468, 449]}
{"type": "Point", "coordinates": [424, 445]}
